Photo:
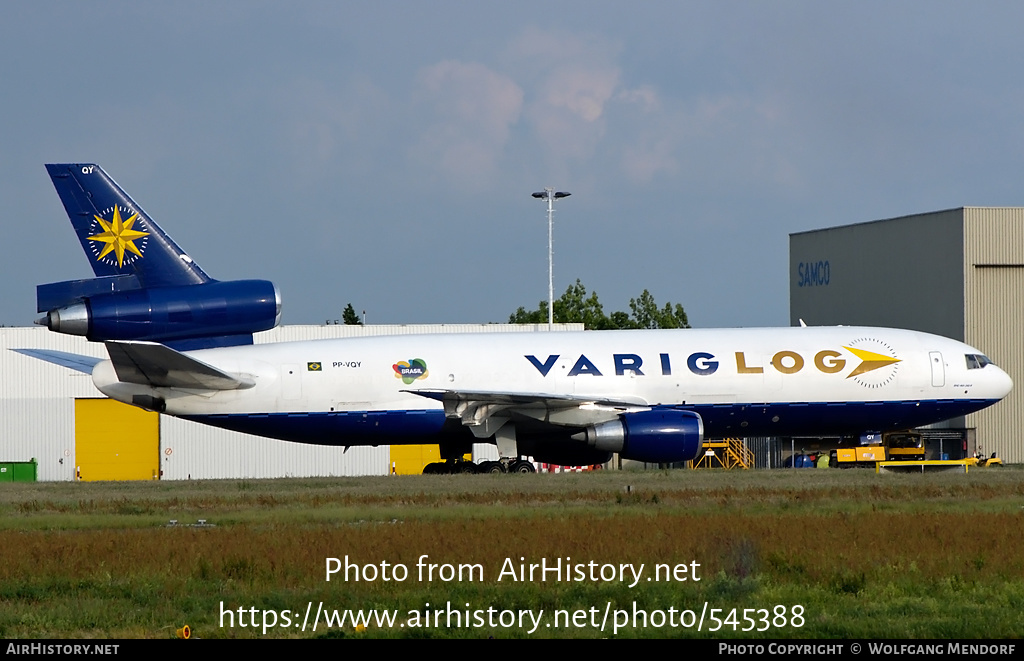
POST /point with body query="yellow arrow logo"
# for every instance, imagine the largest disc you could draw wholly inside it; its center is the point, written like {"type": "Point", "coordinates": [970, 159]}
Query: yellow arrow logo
{"type": "Point", "coordinates": [871, 361]}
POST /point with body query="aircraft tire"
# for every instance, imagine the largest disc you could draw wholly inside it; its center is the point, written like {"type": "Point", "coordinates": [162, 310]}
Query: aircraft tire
{"type": "Point", "coordinates": [466, 467]}
{"type": "Point", "coordinates": [521, 466]}
{"type": "Point", "coordinates": [491, 467]}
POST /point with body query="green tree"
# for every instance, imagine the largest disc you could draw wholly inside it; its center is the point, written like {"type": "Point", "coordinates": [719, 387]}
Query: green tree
{"type": "Point", "coordinates": [575, 306]}
{"type": "Point", "coordinates": [349, 316]}
{"type": "Point", "coordinates": [620, 319]}
{"type": "Point", "coordinates": [524, 316]}
{"type": "Point", "coordinates": [647, 315]}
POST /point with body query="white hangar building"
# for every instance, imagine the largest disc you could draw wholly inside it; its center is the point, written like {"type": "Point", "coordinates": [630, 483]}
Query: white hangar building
{"type": "Point", "coordinates": [56, 416]}
{"type": "Point", "coordinates": [957, 273]}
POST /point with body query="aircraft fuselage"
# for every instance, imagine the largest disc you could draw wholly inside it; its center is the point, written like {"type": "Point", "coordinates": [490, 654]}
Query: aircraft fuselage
{"type": "Point", "coordinates": [742, 382]}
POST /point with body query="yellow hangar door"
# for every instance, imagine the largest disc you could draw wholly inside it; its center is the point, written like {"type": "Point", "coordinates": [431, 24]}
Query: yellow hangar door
{"type": "Point", "coordinates": [115, 441]}
{"type": "Point", "coordinates": [410, 459]}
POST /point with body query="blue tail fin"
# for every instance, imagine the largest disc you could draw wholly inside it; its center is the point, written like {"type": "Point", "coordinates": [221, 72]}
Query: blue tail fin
{"type": "Point", "coordinates": [116, 234]}
{"type": "Point", "coordinates": [146, 287]}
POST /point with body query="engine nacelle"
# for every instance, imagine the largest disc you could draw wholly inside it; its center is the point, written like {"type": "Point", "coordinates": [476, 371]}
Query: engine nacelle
{"type": "Point", "coordinates": [657, 436]}
{"type": "Point", "coordinates": [161, 314]}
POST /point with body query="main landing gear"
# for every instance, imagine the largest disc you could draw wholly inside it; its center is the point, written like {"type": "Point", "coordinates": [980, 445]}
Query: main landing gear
{"type": "Point", "coordinates": [452, 467]}
{"type": "Point", "coordinates": [504, 434]}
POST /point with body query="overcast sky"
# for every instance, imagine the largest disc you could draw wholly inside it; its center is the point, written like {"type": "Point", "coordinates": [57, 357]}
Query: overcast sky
{"type": "Point", "coordinates": [383, 153]}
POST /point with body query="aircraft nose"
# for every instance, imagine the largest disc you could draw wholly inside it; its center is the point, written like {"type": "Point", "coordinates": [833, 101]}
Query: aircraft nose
{"type": "Point", "coordinates": [1000, 382]}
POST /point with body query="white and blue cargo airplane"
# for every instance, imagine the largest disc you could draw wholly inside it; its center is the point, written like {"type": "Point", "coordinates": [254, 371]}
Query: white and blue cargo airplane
{"type": "Point", "coordinates": [181, 343]}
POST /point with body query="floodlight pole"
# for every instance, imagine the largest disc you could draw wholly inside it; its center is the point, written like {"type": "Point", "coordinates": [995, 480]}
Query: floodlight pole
{"type": "Point", "coordinates": [550, 195]}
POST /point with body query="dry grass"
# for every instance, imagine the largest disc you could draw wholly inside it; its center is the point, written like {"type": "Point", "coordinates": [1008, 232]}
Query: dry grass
{"type": "Point", "coordinates": [866, 555]}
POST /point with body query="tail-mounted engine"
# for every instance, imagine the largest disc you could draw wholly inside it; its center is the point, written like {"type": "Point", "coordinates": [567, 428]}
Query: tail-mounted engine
{"type": "Point", "coordinates": [227, 312]}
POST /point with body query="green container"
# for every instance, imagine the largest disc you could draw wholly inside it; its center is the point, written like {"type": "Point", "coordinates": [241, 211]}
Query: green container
{"type": "Point", "coordinates": [26, 471]}
{"type": "Point", "coordinates": [19, 471]}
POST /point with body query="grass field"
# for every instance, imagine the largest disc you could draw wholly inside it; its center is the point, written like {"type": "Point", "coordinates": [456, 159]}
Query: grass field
{"type": "Point", "coordinates": [807, 553]}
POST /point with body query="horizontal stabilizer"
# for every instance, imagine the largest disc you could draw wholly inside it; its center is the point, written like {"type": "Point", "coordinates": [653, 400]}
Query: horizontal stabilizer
{"type": "Point", "coordinates": [148, 363]}
{"type": "Point", "coordinates": [59, 294]}
{"type": "Point", "coordinates": [73, 361]}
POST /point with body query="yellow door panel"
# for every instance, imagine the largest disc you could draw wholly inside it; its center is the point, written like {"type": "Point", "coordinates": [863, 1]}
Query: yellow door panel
{"type": "Point", "coordinates": [410, 459]}
{"type": "Point", "coordinates": [114, 441]}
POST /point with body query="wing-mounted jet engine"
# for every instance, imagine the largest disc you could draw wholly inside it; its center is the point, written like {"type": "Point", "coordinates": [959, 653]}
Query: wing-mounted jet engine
{"type": "Point", "coordinates": [657, 436]}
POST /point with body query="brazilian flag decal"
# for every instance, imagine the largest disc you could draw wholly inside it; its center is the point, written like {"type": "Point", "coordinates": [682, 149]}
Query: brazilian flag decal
{"type": "Point", "coordinates": [314, 367]}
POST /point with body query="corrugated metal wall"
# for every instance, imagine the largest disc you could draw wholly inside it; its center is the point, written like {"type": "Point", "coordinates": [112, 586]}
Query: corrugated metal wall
{"type": "Point", "coordinates": [994, 317]}
{"type": "Point", "coordinates": [329, 331]}
{"type": "Point", "coordinates": [190, 451]}
{"type": "Point", "coordinates": [37, 400]}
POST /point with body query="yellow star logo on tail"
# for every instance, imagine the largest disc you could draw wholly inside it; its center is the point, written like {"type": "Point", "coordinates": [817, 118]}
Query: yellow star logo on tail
{"type": "Point", "coordinates": [118, 237]}
{"type": "Point", "coordinates": [871, 361]}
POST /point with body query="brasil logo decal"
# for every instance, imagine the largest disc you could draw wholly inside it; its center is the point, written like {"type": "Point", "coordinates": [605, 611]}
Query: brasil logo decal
{"type": "Point", "coordinates": [118, 237]}
{"type": "Point", "coordinates": [409, 371]}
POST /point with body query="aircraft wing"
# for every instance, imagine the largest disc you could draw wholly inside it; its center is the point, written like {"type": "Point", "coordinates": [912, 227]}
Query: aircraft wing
{"type": "Point", "coordinates": [73, 361]}
{"type": "Point", "coordinates": [152, 364]}
{"type": "Point", "coordinates": [485, 411]}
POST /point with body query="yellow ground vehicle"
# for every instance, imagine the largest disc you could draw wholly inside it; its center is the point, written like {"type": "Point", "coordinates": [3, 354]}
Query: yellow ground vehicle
{"type": "Point", "coordinates": [904, 446]}
{"type": "Point", "coordinates": [872, 448]}
{"type": "Point", "coordinates": [983, 461]}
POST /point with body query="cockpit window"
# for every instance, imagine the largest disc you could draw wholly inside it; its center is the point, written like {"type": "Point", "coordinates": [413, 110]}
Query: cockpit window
{"type": "Point", "coordinates": [975, 361]}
